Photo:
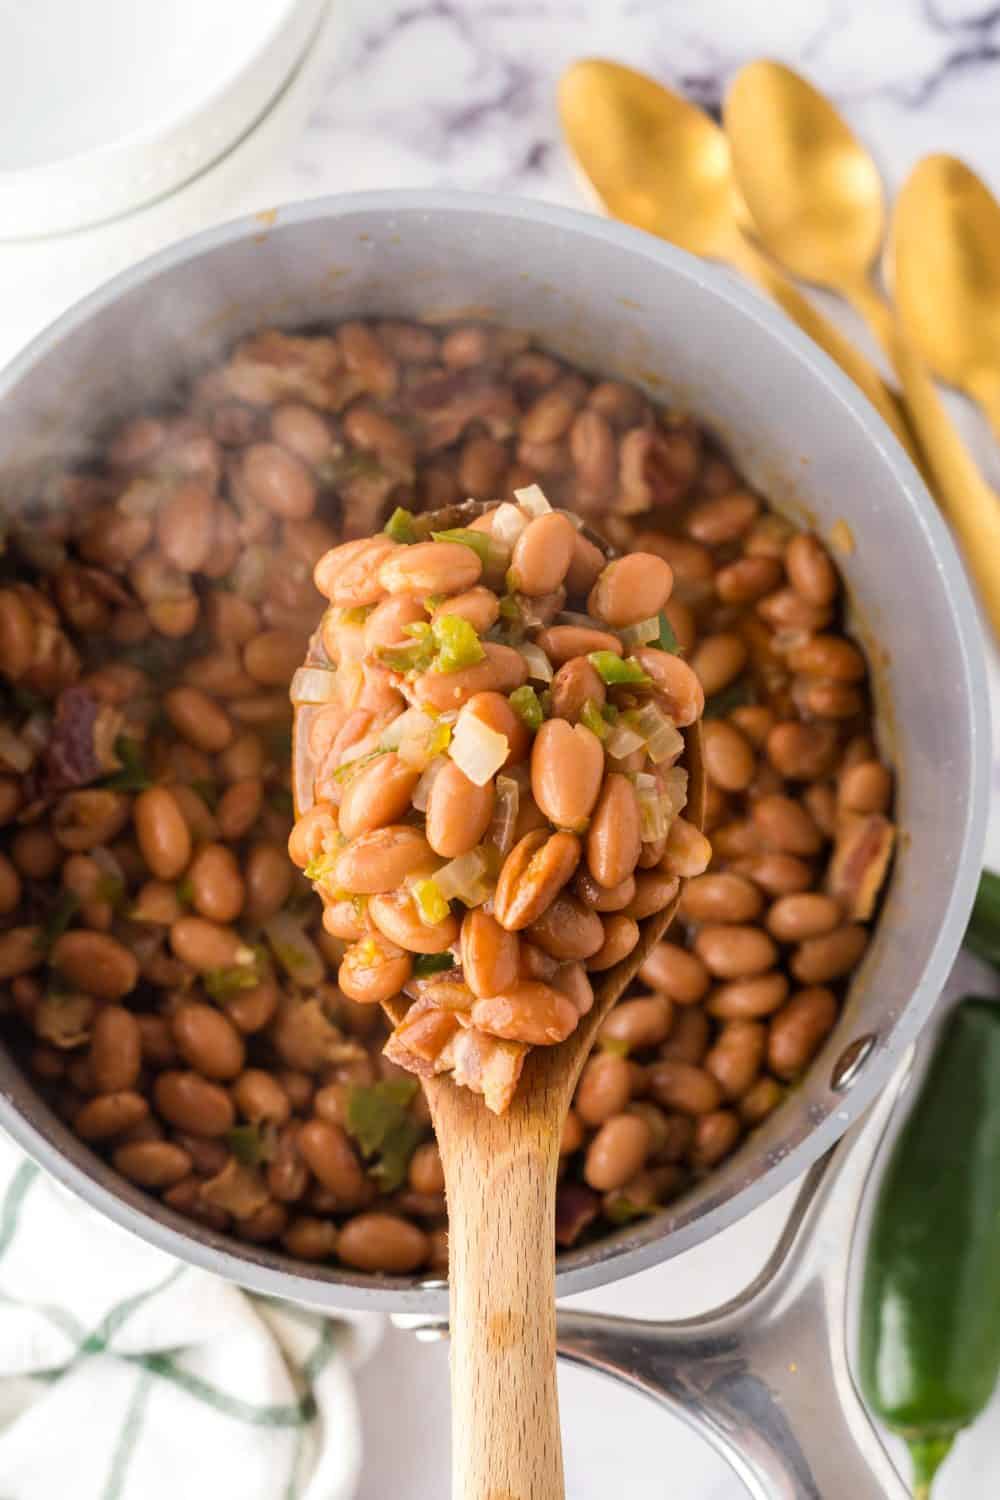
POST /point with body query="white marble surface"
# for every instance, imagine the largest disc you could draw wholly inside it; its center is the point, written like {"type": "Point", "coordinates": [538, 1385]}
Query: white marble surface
{"type": "Point", "coordinates": [460, 92]}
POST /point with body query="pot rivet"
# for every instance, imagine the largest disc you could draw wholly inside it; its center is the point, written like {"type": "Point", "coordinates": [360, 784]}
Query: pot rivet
{"type": "Point", "coordinates": [851, 1061]}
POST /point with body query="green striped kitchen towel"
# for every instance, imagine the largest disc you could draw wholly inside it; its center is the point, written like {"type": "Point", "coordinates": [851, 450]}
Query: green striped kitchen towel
{"type": "Point", "coordinates": [125, 1375]}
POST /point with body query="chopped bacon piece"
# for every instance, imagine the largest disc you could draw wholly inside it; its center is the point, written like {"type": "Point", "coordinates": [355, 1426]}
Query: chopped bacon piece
{"type": "Point", "coordinates": [81, 746]}
{"type": "Point", "coordinates": [860, 862]}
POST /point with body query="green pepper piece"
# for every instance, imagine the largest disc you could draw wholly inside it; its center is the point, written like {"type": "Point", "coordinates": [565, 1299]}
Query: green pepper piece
{"type": "Point", "coordinates": [528, 706]}
{"type": "Point", "coordinates": [930, 1311]}
{"type": "Point", "coordinates": [666, 640]}
{"type": "Point", "coordinates": [432, 963]}
{"type": "Point", "coordinates": [400, 526]}
{"type": "Point", "coordinates": [478, 541]}
{"type": "Point", "coordinates": [618, 670]}
{"type": "Point", "coordinates": [592, 718]}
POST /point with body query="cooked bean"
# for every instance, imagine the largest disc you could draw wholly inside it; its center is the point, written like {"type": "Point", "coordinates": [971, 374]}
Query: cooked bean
{"type": "Point", "coordinates": [190, 1102]}
{"type": "Point", "coordinates": [251, 1009]}
{"type": "Point", "coordinates": [207, 1040]}
{"type": "Point", "coordinates": [35, 852]}
{"type": "Point", "coordinates": [430, 568]}
{"type": "Point", "coordinates": [542, 553]}
{"type": "Point", "coordinates": [278, 480]}
{"type": "Point", "coordinates": [604, 1089]}
{"type": "Point", "coordinates": [784, 825]}
{"type": "Point", "coordinates": [809, 915]}
{"type": "Point", "coordinates": [639, 1023]}
{"type": "Point", "coordinates": [533, 873]}
{"type": "Point", "coordinates": [735, 1058]}
{"type": "Point", "coordinates": [198, 719]}
{"type": "Point", "coordinates": [563, 643]}
{"type": "Point", "coordinates": [683, 1087]}
{"type": "Point", "coordinates": [760, 1100]}
{"type": "Point", "coordinates": [330, 1156]}
{"type": "Point", "coordinates": [820, 959]}
{"type": "Point", "coordinates": [426, 1174]}
{"type": "Point", "coordinates": [382, 1242]}
{"type": "Point", "coordinates": [503, 670]}
{"type": "Point", "coordinates": [396, 916]}
{"type": "Point", "coordinates": [799, 1029]}
{"type": "Point", "coordinates": [115, 1056]}
{"type": "Point", "coordinates": [239, 807]}
{"type": "Point", "coordinates": [810, 571]}
{"type": "Point", "coordinates": [310, 1238]}
{"type": "Point", "coordinates": [567, 929]}
{"type": "Point", "coordinates": [382, 859]}
{"type": "Point", "coordinates": [621, 934]}
{"type": "Point", "coordinates": [689, 1037]}
{"type": "Point", "coordinates": [458, 812]}
{"type": "Point", "coordinates": [631, 589]}
{"type": "Point", "coordinates": [604, 898]}
{"type": "Point", "coordinates": [614, 838]}
{"type": "Point", "coordinates": [677, 973]}
{"type": "Point", "coordinates": [260, 1098]}
{"type": "Point", "coordinates": [729, 757]}
{"type": "Point", "coordinates": [208, 945]}
{"type": "Point", "coordinates": [617, 1152]}
{"type": "Point", "coordinates": [489, 954]}
{"type": "Point", "coordinates": [268, 881]}
{"type": "Point", "coordinates": [802, 752]}
{"type": "Point", "coordinates": [272, 657]}
{"type": "Point", "coordinates": [152, 1164]}
{"type": "Point", "coordinates": [747, 579]}
{"type": "Point", "coordinates": [715, 1135]}
{"type": "Point", "coordinates": [217, 889]}
{"type": "Point", "coordinates": [718, 660]}
{"type": "Point", "coordinates": [479, 606]}
{"type": "Point", "coordinates": [746, 999]}
{"type": "Point", "coordinates": [185, 526]}
{"type": "Point", "coordinates": [687, 851]}
{"type": "Point", "coordinates": [302, 431]}
{"type": "Point", "coordinates": [777, 874]}
{"type": "Point", "coordinates": [10, 887]}
{"type": "Point", "coordinates": [721, 898]}
{"type": "Point", "coordinates": [108, 1115]}
{"type": "Point", "coordinates": [821, 801]}
{"type": "Point", "coordinates": [654, 891]}
{"type": "Point", "coordinates": [95, 963]}
{"type": "Point", "coordinates": [373, 970]}
{"type": "Point", "coordinates": [529, 1011]}
{"type": "Point", "coordinates": [723, 519]}
{"type": "Point", "coordinates": [865, 788]}
{"type": "Point", "coordinates": [735, 952]}
{"type": "Point", "coordinates": [576, 683]}
{"type": "Point", "coordinates": [676, 682]}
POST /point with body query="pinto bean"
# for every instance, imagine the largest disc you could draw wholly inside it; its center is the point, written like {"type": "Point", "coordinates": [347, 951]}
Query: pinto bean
{"type": "Point", "coordinates": [799, 1029]}
{"type": "Point", "coordinates": [96, 963]}
{"type": "Point", "coordinates": [567, 766]}
{"type": "Point", "coordinates": [458, 812]}
{"type": "Point", "coordinates": [529, 1011]}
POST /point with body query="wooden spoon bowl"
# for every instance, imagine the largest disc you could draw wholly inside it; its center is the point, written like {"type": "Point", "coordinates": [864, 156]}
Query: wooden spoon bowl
{"type": "Point", "coordinates": [500, 1176]}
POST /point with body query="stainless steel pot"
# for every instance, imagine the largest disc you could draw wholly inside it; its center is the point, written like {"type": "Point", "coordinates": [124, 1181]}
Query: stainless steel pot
{"type": "Point", "coordinates": [632, 306]}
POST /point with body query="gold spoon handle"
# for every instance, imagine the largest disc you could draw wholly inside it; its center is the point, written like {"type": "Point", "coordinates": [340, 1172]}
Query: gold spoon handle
{"type": "Point", "coordinates": [747, 259]}
{"type": "Point", "coordinates": [985, 386]}
{"type": "Point", "coordinates": [972, 507]}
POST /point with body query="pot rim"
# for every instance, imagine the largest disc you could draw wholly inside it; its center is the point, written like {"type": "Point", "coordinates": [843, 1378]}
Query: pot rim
{"type": "Point", "coordinates": [631, 1250]}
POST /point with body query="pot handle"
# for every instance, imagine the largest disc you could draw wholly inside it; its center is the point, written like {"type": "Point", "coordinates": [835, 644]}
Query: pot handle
{"type": "Point", "coordinates": [765, 1378]}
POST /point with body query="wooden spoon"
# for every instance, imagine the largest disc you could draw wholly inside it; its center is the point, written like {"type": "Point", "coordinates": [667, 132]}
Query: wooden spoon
{"type": "Point", "coordinates": [500, 1176]}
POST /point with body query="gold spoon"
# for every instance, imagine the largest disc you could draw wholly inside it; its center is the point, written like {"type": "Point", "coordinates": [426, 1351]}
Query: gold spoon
{"type": "Point", "coordinates": [946, 276]}
{"type": "Point", "coordinates": [500, 1176]}
{"type": "Point", "coordinates": [659, 162]}
{"type": "Point", "coordinates": [817, 205]}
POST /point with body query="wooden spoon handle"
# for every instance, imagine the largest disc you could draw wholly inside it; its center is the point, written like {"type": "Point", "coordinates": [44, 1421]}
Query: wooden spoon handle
{"type": "Point", "coordinates": [505, 1410]}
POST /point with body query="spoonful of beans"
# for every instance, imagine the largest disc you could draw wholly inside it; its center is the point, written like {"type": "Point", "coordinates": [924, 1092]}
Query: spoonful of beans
{"type": "Point", "coordinates": [498, 788]}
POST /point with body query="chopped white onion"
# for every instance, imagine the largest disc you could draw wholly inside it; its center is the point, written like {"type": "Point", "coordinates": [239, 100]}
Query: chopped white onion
{"type": "Point", "coordinates": [476, 749]}
{"type": "Point", "coordinates": [508, 523]}
{"type": "Point", "coordinates": [621, 742]}
{"type": "Point", "coordinates": [641, 633]}
{"type": "Point", "coordinates": [13, 751]}
{"type": "Point", "coordinates": [313, 685]}
{"type": "Point", "coordinates": [653, 820]}
{"type": "Point", "coordinates": [675, 789]}
{"type": "Point", "coordinates": [364, 746]}
{"type": "Point", "coordinates": [422, 790]}
{"type": "Point", "coordinates": [532, 501]}
{"type": "Point", "coordinates": [505, 810]}
{"type": "Point", "coordinates": [539, 666]}
{"type": "Point", "coordinates": [664, 740]}
{"type": "Point", "coordinates": [294, 949]}
{"type": "Point", "coordinates": [465, 879]}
